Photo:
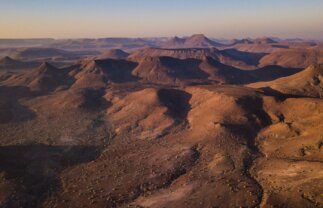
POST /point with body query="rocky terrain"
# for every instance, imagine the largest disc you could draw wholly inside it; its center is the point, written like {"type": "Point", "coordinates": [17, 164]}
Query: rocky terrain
{"type": "Point", "coordinates": [181, 122]}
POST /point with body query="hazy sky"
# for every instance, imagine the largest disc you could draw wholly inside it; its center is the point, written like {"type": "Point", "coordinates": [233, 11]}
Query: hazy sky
{"type": "Point", "coordinates": [147, 18]}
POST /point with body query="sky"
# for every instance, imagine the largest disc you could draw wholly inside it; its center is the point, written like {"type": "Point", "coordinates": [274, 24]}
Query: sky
{"type": "Point", "coordinates": [160, 18]}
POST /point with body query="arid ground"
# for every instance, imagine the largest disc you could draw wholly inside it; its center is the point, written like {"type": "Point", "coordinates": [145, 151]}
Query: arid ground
{"type": "Point", "coordinates": [161, 123]}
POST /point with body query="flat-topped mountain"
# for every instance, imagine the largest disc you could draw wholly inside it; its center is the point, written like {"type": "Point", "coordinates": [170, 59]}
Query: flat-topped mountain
{"type": "Point", "coordinates": [224, 56]}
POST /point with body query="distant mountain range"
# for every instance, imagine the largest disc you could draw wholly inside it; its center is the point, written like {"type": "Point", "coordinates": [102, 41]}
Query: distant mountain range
{"type": "Point", "coordinates": [194, 41]}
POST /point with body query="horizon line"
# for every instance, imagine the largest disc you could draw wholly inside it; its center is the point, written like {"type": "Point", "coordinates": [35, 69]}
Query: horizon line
{"type": "Point", "coordinates": [147, 37]}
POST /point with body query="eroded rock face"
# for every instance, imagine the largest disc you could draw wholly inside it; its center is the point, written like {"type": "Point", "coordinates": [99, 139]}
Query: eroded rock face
{"type": "Point", "coordinates": [292, 160]}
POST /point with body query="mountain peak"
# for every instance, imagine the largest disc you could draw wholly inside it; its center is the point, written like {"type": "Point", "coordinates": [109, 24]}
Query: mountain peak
{"type": "Point", "coordinates": [7, 59]}
{"type": "Point", "coordinates": [200, 37]}
{"type": "Point", "coordinates": [45, 67]}
{"type": "Point", "coordinates": [194, 41]}
{"type": "Point", "coordinates": [200, 41]}
{"type": "Point", "coordinates": [9, 62]}
{"type": "Point", "coordinates": [113, 54]}
{"type": "Point", "coordinates": [46, 64]}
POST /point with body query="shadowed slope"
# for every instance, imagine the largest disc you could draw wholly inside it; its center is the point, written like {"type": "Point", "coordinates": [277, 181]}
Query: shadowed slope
{"type": "Point", "coordinates": [235, 59]}
{"type": "Point", "coordinates": [305, 83]}
{"type": "Point", "coordinates": [44, 78]}
{"type": "Point", "coordinates": [98, 73]}
{"type": "Point", "coordinates": [149, 113]}
{"type": "Point", "coordinates": [8, 63]}
{"type": "Point", "coordinates": [33, 170]}
{"type": "Point", "coordinates": [297, 58]}
{"type": "Point", "coordinates": [167, 70]}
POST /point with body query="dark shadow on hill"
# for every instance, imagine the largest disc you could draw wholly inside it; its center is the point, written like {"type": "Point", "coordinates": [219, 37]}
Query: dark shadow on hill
{"type": "Point", "coordinates": [272, 72]}
{"type": "Point", "coordinates": [280, 46]}
{"type": "Point", "coordinates": [232, 75]}
{"type": "Point", "coordinates": [15, 112]}
{"type": "Point", "coordinates": [176, 101]}
{"type": "Point", "coordinates": [247, 133]}
{"type": "Point", "coordinates": [117, 70]}
{"type": "Point", "coordinates": [15, 92]}
{"type": "Point", "coordinates": [9, 64]}
{"type": "Point", "coordinates": [183, 69]}
{"type": "Point", "coordinates": [267, 73]}
{"type": "Point", "coordinates": [10, 107]}
{"type": "Point", "coordinates": [256, 114]}
{"type": "Point", "coordinates": [34, 170]}
{"type": "Point", "coordinates": [170, 71]}
{"type": "Point", "coordinates": [93, 99]}
{"type": "Point", "coordinates": [249, 58]}
{"type": "Point", "coordinates": [279, 95]}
